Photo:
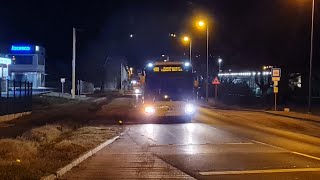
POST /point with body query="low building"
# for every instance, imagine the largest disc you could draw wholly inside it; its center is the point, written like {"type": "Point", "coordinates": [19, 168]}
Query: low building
{"type": "Point", "coordinates": [116, 74]}
{"type": "Point", "coordinates": [28, 64]}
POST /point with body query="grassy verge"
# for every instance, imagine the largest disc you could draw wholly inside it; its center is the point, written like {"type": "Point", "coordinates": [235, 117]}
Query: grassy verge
{"type": "Point", "coordinates": [45, 149]}
{"type": "Point", "coordinates": [57, 132]}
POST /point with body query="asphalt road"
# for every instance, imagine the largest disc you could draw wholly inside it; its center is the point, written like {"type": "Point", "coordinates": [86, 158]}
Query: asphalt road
{"type": "Point", "coordinates": [214, 146]}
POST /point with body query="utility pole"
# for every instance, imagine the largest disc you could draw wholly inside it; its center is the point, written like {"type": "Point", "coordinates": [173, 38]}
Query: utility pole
{"type": "Point", "coordinates": [207, 79]}
{"type": "Point", "coordinates": [311, 56]}
{"type": "Point", "coordinates": [74, 64]}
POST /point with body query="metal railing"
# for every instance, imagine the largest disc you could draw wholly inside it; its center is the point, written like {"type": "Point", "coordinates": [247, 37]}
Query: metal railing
{"type": "Point", "coordinates": [15, 97]}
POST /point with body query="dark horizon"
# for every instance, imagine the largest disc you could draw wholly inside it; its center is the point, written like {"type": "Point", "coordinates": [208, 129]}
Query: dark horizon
{"type": "Point", "coordinates": [245, 34]}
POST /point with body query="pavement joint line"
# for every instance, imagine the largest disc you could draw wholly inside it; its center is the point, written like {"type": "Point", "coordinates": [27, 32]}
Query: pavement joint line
{"type": "Point", "coordinates": [293, 152]}
{"type": "Point", "coordinates": [261, 171]}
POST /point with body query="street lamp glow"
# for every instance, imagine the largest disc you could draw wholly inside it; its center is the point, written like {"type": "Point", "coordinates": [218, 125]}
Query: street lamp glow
{"type": "Point", "coordinates": [150, 65]}
{"type": "Point", "coordinates": [201, 23]}
{"type": "Point", "coordinates": [220, 60]}
{"type": "Point", "coordinates": [186, 39]}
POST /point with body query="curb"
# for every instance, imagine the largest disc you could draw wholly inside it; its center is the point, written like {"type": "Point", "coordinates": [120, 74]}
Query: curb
{"type": "Point", "coordinates": [74, 163]}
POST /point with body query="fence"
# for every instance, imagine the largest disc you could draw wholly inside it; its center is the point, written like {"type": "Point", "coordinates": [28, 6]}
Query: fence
{"type": "Point", "coordinates": [15, 97]}
{"type": "Point", "coordinates": [85, 87]}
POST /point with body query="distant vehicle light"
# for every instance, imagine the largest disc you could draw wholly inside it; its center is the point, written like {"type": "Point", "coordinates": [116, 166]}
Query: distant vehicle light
{"type": "Point", "coordinates": [166, 96]}
{"type": "Point", "coordinates": [150, 65]}
{"type": "Point", "coordinates": [187, 64]}
{"type": "Point", "coordinates": [134, 82]}
{"type": "Point", "coordinates": [149, 109]}
{"type": "Point", "coordinates": [189, 109]}
{"type": "Point", "coordinates": [137, 91]}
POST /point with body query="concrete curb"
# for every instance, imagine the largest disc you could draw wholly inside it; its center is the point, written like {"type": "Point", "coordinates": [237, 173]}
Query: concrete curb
{"type": "Point", "coordinates": [68, 167]}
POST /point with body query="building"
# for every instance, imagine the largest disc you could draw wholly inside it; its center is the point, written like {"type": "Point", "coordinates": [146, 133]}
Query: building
{"type": "Point", "coordinates": [116, 73]}
{"type": "Point", "coordinates": [253, 80]}
{"type": "Point", "coordinates": [28, 64]}
{"type": "Point", "coordinates": [4, 65]}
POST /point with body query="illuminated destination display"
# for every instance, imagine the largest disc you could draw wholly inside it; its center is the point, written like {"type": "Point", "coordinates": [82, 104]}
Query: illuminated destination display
{"type": "Point", "coordinates": [168, 69]}
{"type": "Point", "coordinates": [20, 48]}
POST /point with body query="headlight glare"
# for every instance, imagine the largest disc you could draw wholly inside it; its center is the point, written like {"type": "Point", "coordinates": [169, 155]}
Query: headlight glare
{"type": "Point", "coordinates": [149, 109]}
{"type": "Point", "coordinates": [189, 109]}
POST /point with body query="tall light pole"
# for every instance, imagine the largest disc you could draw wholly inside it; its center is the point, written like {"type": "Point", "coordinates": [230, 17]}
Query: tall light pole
{"type": "Point", "coordinates": [219, 61]}
{"type": "Point", "coordinates": [73, 92]}
{"type": "Point", "coordinates": [311, 55]}
{"type": "Point", "coordinates": [188, 39]}
{"type": "Point", "coordinates": [202, 24]}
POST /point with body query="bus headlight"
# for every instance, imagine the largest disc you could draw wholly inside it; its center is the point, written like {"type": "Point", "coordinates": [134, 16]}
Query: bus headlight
{"type": "Point", "coordinates": [137, 91]}
{"type": "Point", "coordinates": [149, 109]}
{"type": "Point", "coordinates": [189, 109]}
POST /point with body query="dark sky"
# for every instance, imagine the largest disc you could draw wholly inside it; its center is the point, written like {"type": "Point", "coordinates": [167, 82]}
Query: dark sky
{"type": "Point", "coordinates": [245, 33]}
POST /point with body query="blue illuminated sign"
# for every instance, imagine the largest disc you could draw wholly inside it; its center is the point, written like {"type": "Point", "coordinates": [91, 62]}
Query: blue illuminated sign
{"type": "Point", "coordinates": [20, 48]}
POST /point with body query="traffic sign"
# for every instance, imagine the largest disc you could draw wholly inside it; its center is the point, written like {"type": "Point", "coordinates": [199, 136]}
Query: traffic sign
{"type": "Point", "coordinates": [275, 89]}
{"type": "Point", "coordinates": [216, 81]}
{"type": "Point", "coordinates": [62, 80]}
{"type": "Point", "coordinates": [275, 83]}
{"type": "Point", "coordinates": [276, 72]}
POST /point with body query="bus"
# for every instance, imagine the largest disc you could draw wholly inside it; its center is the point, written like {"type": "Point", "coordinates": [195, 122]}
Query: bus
{"type": "Point", "coordinates": [168, 90]}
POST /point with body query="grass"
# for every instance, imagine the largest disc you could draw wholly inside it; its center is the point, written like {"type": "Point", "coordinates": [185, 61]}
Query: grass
{"type": "Point", "coordinates": [45, 149]}
{"type": "Point", "coordinates": [57, 132]}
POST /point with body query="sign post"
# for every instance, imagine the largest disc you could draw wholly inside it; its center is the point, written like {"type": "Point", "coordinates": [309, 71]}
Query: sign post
{"type": "Point", "coordinates": [62, 80]}
{"type": "Point", "coordinates": [216, 82]}
{"type": "Point", "coordinates": [276, 74]}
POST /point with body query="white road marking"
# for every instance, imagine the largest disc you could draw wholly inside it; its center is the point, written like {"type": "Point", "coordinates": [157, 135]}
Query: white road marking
{"type": "Point", "coordinates": [262, 171]}
{"type": "Point", "coordinates": [238, 143]}
{"type": "Point", "coordinates": [293, 152]}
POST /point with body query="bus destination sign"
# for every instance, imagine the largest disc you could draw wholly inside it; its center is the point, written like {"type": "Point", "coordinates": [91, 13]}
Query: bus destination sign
{"type": "Point", "coordinates": [167, 69]}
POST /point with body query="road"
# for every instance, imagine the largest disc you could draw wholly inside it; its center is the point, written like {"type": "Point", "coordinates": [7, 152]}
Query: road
{"type": "Point", "coordinates": [216, 145]}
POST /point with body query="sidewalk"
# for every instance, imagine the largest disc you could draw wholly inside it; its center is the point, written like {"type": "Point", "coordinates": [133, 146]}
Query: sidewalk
{"type": "Point", "coordinates": [124, 159]}
{"type": "Point", "coordinates": [291, 114]}
{"type": "Point", "coordinates": [296, 115]}
{"type": "Point", "coordinates": [67, 96]}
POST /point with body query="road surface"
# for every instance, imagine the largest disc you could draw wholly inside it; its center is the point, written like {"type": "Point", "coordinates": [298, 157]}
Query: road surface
{"type": "Point", "coordinates": [217, 145]}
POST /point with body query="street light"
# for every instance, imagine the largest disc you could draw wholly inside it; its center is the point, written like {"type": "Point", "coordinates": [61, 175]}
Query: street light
{"type": "Point", "coordinates": [219, 61]}
{"type": "Point", "coordinates": [311, 54]}
{"type": "Point", "coordinates": [187, 39]}
{"type": "Point", "coordinates": [202, 24]}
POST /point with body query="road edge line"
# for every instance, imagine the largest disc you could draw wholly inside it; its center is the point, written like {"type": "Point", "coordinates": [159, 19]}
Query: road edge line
{"type": "Point", "coordinates": [77, 161]}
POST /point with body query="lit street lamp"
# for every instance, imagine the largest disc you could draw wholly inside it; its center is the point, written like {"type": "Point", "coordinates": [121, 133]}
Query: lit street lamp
{"type": "Point", "coordinates": [219, 61]}
{"type": "Point", "coordinates": [187, 39]}
{"type": "Point", "coordinates": [202, 24]}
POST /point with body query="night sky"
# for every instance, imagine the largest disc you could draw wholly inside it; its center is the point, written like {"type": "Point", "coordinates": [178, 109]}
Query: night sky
{"type": "Point", "coordinates": [245, 33]}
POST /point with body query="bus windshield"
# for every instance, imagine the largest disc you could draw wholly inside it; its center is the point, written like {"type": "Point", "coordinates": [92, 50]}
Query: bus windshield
{"type": "Point", "coordinates": [173, 86]}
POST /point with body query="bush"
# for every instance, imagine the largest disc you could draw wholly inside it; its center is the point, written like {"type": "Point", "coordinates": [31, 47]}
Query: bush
{"type": "Point", "coordinates": [43, 134]}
